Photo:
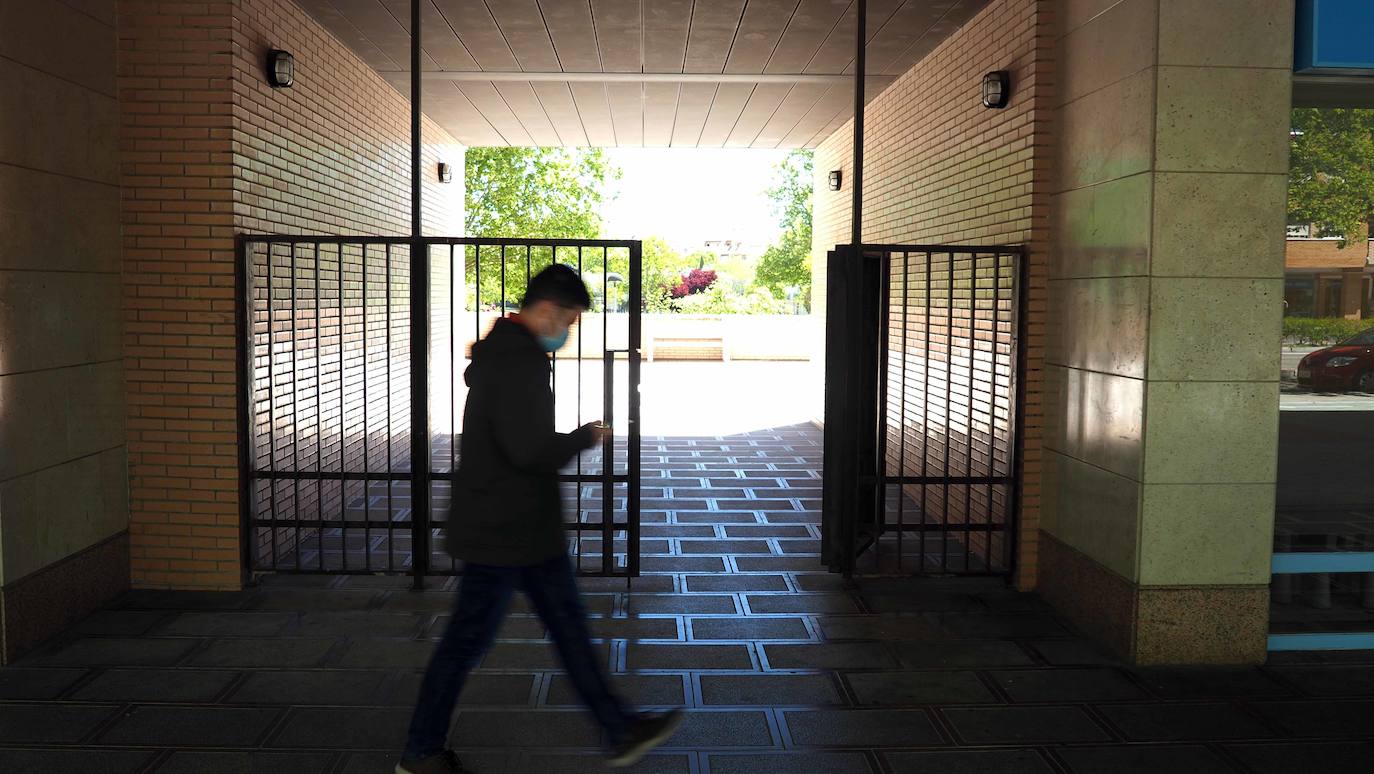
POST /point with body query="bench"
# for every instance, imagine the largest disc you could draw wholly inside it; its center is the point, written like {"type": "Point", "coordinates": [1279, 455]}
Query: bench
{"type": "Point", "coordinates": [688, 348]}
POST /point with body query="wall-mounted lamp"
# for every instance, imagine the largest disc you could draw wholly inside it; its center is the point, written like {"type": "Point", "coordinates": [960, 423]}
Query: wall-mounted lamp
{"type": "Point", "coordinates": [281, 68]}
{"type": "Point", "coordinates": [996, 89]}
{"type": "Point", "coordinates": [445, 173]}
{"type": "Point", "coordinates": [835, 179]}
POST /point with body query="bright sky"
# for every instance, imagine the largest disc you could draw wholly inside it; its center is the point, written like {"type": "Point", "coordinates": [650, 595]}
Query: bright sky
{"type": "Point", "coordinates": [690, 195]}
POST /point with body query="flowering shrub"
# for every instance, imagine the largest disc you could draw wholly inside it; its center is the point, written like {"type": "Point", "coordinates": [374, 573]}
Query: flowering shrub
{"type": "Point", "coordinates": [693, 282]}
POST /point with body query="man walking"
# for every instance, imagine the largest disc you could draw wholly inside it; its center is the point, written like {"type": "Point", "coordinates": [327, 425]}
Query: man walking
{"type": "Point", "coordinates": [507, 528]}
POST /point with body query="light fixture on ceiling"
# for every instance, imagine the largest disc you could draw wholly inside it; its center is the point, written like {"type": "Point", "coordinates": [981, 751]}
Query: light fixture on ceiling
{"type": "Point", "coordinates": [996, 89]}
{"type": "Point", "coordinates": [281, 68]}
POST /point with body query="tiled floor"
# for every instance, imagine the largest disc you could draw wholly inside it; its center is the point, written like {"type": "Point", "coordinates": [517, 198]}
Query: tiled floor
{"type": "Point", "coordinates": [783, 668]}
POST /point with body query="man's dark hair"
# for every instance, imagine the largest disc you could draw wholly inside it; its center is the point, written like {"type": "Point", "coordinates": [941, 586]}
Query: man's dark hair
{"type": "Point", "coordinates": [558, 284]}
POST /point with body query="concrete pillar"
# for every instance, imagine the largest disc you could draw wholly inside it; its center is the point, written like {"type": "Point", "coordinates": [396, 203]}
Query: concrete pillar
{"type": "Point", "coordinates": [1352, 293]}
{"type": "Point", "coordinates": [1169, 227]}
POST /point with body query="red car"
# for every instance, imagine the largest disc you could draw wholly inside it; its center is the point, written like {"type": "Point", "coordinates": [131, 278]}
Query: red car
{"type": "Point", "coordinates": [1345, 366]}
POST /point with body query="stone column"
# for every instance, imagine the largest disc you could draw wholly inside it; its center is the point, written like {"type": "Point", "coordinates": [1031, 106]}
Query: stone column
{"type": "Point", "coordinates": [1166, 297]}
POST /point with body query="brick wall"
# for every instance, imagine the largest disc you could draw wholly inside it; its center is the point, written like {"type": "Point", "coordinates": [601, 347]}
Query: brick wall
{"type": "Point", "coordinates": [940, 168]}
{"type": "Point", "coordinates": [210, 151]}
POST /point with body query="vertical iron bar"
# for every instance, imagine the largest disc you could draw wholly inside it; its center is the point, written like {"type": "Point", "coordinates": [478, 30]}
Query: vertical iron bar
{"type": "Point", "coordinates": [503, 280]}
{"type": "Point", "coordinates": [607, 460]}
{"type": "Point", "coordinates": [452, 366]}
{"type": "Point", "coordinates": [319, 416]}
{"type": "Point", "coordinates": [901, 451]}
{"type": "Point", "coordinates": [577, 550]}
{"type": "Point", "coordinates": [925, 409]}
{"type": "Point", "coordinates": [992, 408]}
{"type": "Point", "coordinates": [860, 46]}
{"type": "Point", "coordinates": [295, 412]}
{"type": "Point", "coordinates": [1021, 275]}
{"type": "Point", "coordinates": [949, 424]}
{"type": "Point", "coordinates": [243, 327]}
{"type": "Point", "coordinates": [390, 460]}
{"type": "Point", "coordinates": [419, 324]}
{"type": "Point", "coordinates": [633, 441]}
{"type": "Point", "coordinates": [343, 415]}
{"type": "Point", "coordinates": [367, 436]}
{"type": "Point", "coordinates": [968, 417]}
{"type": "Point", "coordinates": [271, 409]}
{"type": "Point", "coordinates": [878, 507]}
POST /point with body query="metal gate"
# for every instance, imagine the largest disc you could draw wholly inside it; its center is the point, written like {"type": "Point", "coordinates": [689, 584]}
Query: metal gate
{"type": "Point", "coordinates": [922, 409]}
{"type": "Point", "coordinates": [329, 350]}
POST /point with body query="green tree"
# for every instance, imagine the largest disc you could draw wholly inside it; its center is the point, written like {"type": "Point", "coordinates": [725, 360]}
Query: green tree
{"type": "Point", "coordinates": [1331, 172]}
{"type": "Point", "coordinates": [532, 193]}
{"type": "Point", "coordinates": [788, 262]}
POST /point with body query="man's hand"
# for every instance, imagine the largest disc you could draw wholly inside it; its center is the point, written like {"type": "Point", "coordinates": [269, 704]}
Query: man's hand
{"type": "Point", "coordinates": [600, 432]}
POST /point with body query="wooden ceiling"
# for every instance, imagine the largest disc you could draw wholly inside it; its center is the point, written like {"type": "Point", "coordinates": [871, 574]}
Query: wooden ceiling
{"type": "Point", "coordinates": [632, 73]}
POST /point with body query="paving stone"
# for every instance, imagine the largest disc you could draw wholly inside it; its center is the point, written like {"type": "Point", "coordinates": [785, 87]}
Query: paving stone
{"type": "Point", "coordinates": [114, 651]}
{"type": "Point", "coordinates": [154, 599]}
{"type": "Point", "coordinates": [770, 690]}
{"type": "Point", "coordinates": [1184, 722]}
{"type": "Point", "coordinates": [343, 728]}
{"type": "Point", "coordinates": [49, 723]}
{"type": "Point", "coordinates": [19, 683]}
{"type": "Point", "coordinates": [264, 652]}
{"type": "Point", "coordinates": [861, 728]}
{"type": "Point", "coordinates": [513, 627]}
{"type": "Point", "coordinates": [968, 762]}
{"type": "Point", "coordinates": [119, 623]}
{"type": "Point", "coordinates": [534, 655]}
{"type": "Point", "coordinates": [908, 688]}
{"type": "Point", "coordinates": [886, 627]}
{"type": "Point", "coordinates": [694, 657]}
{"type": "Point", "coordinates": [1210, 683]}
{"type": "Point", "coordinates": [191, 726]}
{"type": "Point", "coordinates": [723, 728]}
{"type": "Point", "coordinates": [722, 546]}
{"type": "Point", "coordinates": [960, 653]}
{"type": "Point", "coordinates": [735, 583]}
{"type": "Point", "coordinates": [102, 761]}
{"type": "Point", "coordinates": [312, 687]}
{"type": "Point", "coordinates": [799, 547]}
{"type": "Point", "coordinates": [635, 628]}
{"type": "Point", "coordinates": [156, 685]}
{"type": "Point", "coordinates": [480, 690]}
{"type": "Point", "coordinates": [657, 763]}
{"type": "Point", "coordinates": [644, 583]}
{"type": "Point", "coordinates": [749, 629]}
{"type": "Point", "coordinates": [385, 762]}
{"type": "Point", "coordinates": [1290, 757]}
{"type": "Point", "coordinates": [792, 517]}
{"type": "Point", "coordinates": [715, 517]}
{"type": "Point", "coordinates": [924, 603]}
{"type": "Point", "coordinates": [1314, 719]}
{"type": "Point", "coordinates": [802, 603]}
{"type": "Point", "coordinates": [525, 728]}
{"type": "Point", "coordinates": [1024, 725]}
{"type": "Point", "coordinates": [316, 599]}
{"type": "Point", "coordinates": [832, 655]}
{"type": "Point", "coordinates": [380, 653]}
{"type": "Point", "coordinates": [681, 564]}
{"type": "Point", "coordinates": [183, 762]}
{"type": "Point", "coordinates": [1312, 680]}
{"type": "Point", "coordinates": [640, 690]}
{"type": "Point", "coordinates": [1144, 759]}
{"type": "Point", "coordinates": [639, 604]}
{"type": "Point", "coordinates": [1075, 652]}
{"type": "Point", "coordinates": [1067, 685]}
{"type": "Point", "coordinates": [779, 564]}
{"type": "Point", "coordinates": [1000, 626]}
{"type": "Point", "coordinates": [711, 492]}
{"type": "Point", "coordinates": [789, 763]}
{"type": "Point", "coordinates": [767, 531]}
{"type": "Point", "coordinates": [352, 624]}
{"type": "Point", "coordinates": [227, 624]}
{"type": "Point", "coordinates": [408, 601]}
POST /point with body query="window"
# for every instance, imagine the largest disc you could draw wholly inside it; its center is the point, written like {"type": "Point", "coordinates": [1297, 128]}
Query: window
{"type": "Point", "coordinates": [1299, 296]}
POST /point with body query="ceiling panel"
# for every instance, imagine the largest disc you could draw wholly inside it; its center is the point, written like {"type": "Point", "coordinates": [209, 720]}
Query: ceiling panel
{"type": "Point", "coordinates": [619, 35]}
{"type": "Point", "coordinates": [562, 112]}
{"type": "Point", "coordinates": [479, 33]}
{"type": "Point", "coordinates": [665, 34]}
{"type": "Point", "coordinates": [441, 50]}
{"type": "Point", "coordinates": [487, 99]}
{"type": "Point", "coordinates": [725, 111]}
{"type": "Point", "coordinates": [794, 107]}
{"type": "Point", "coordinates": [331, 17]}
{"type": "Point", "coordinates": [757, 111]}
{"type": "Point", "coordinates": [760, 29]}
{"type": "Point", "coordinates": [693, 105]}
{"type": "Point", "coordinates": [529, 111]}
{"type": "Point", "coordinates": [660, 111]}
{"type": "Point", "coordinates": [837, 51]}
{"type": "Point", "coordinates": [903, 29]}
{"type": "Point", "coordinates": [835, 100]}
{"type": "Point", "coordinates": [627, 113]}
{"type": "Point", "coordinates": [522, 25]}
{"type": "Point", "coordinates": [712, 32]}
{"type": "Point", "coordinates": [595, 110]}
{"type": "Point", "coordinates": [810, 26]}
{"type": "Point", "coordinates": [376, 23]}
{"type": "Point", "coordinates": [574, 35]}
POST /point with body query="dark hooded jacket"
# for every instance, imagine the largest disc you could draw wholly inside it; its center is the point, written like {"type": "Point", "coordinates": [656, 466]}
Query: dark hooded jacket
{"type": "Point", "coordinates": [506, 508]}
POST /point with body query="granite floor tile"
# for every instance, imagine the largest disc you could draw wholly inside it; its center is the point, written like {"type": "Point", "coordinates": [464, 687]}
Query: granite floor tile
{"type": "Point", "coordinates": [657, 763]}
{"type": "Point", "coordinates": [342, 728]}
{"type": "Point", "coordinates": [767, 531]}
{"type": "Point", "coordinates": [227, 624]}
{"type": "Point", "coordinates": [1143, 759]}
{"type": "Point", "coordinates": [695, 657]}
{"type": "Point", "coordinates": [534, 655]}
{"type": "Point", "coordinates": [690, 547]}
{"type": "Point", "coordinates": [789, 763]}
{"type": "Point", "coordinates": [641, 690]}
{"type": "Point", "coordinates": [724, 728]}
{"type": "Point", "coordinates": [156, 685]}
{"type": "Point", "coordinates": [1289, 757]}
{"type": "Point", "coordinates": [355, 624]}
{"type": "Point", "coordinates": [1024, 725]}
{"type": "Point", "coordinates": [682, 564]}
{"type": "Point", "coordinates": [525, 728]}
{"type": "Point", "coordinates": [1185, 722]}
{"type": "Point", "coordinates": [321, 687]}
{"type": "Point", "coordinates": [45, 723]}
{"type": "Point", "coordinates": [1210, 683]}
{"type": "Point", "coordinates": [861, 728]}
{"type": "Point", "coordinates": [264, 652]}
{"type": "Point", "coordinates": [120, 623]}
{"type": "Point", "coordinates": [834, 655]}
{"type": "Point", "coordinates": [191, 726]}
{"type": "Point", "coordinates": [18, 683]}
{"type": "Point", "coordinates": [969, 762]}
{"type": "Point", "coordinates": [1317, 719]}
{"type": "Point", "coordinates": [183, 762]}
{"type": "Point", "coordinates": [872, 627]}
{"type": "Point", "coordinates": [1349, 680]}
{"type": "Point", "coordinates": [636, 628]}
{"type": "Point", "coordinates": [749, 629]}
{"type": "Point", "coordinates": [911, 688]}
{"type": "Point", "coordinates": [802, 603]}
{"type": "Point", "coordinates": [480, 690]}
{"type": "Point", "coordinates": [382, 653]}
{"type": "Point", "coordinates": [779, 564]}
{"type": "Point", "coordinates": [482, 761]}
{"type": "Point", "coordinates": [770, 690]}
{"type": "Point", "coordinates": [1000, 626]}
{"type": "Point", "coordinates": [960, 654]}
{"type": "Point", "coordinates": [114, 651]}
{"type": "Point", "coordinates": [57, 760]}
{"type": "Point", "coordinates": [680, 604]}
{"type": "Point", "coordinates": [736, 583]}
{"type": "Point", "coordinates": [1067, 685]}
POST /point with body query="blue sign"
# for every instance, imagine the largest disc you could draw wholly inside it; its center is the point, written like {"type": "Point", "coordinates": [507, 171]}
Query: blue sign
{"type": "Point", "coordinates": [1334, 37]}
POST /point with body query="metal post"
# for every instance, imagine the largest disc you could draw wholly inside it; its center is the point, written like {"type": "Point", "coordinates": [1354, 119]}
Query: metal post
{"type": "Point", "coordinates": [857, 210]}
{"type": "Point", "coordinates": [419, 327]}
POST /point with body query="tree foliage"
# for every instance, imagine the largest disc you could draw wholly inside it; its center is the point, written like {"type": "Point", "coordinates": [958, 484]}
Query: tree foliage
{"type": "Point", "coordinates": [788, 262]}
{"type": "Point", "coordinates": [1331, 173]}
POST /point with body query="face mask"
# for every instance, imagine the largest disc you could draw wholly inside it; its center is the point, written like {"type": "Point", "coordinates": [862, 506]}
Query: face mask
{"type": "Point", "coordinates": [554, 343]}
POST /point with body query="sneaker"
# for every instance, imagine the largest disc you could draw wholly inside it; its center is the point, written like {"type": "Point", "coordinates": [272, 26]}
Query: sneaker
{"type": "Point", "coordinates": [645, 732]}
{"type": "Point", "coordinates": [445, 762]}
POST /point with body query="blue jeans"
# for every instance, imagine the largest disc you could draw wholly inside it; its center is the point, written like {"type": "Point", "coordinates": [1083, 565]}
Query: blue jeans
{"type": "Point", "coordinates": [482, 600]}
